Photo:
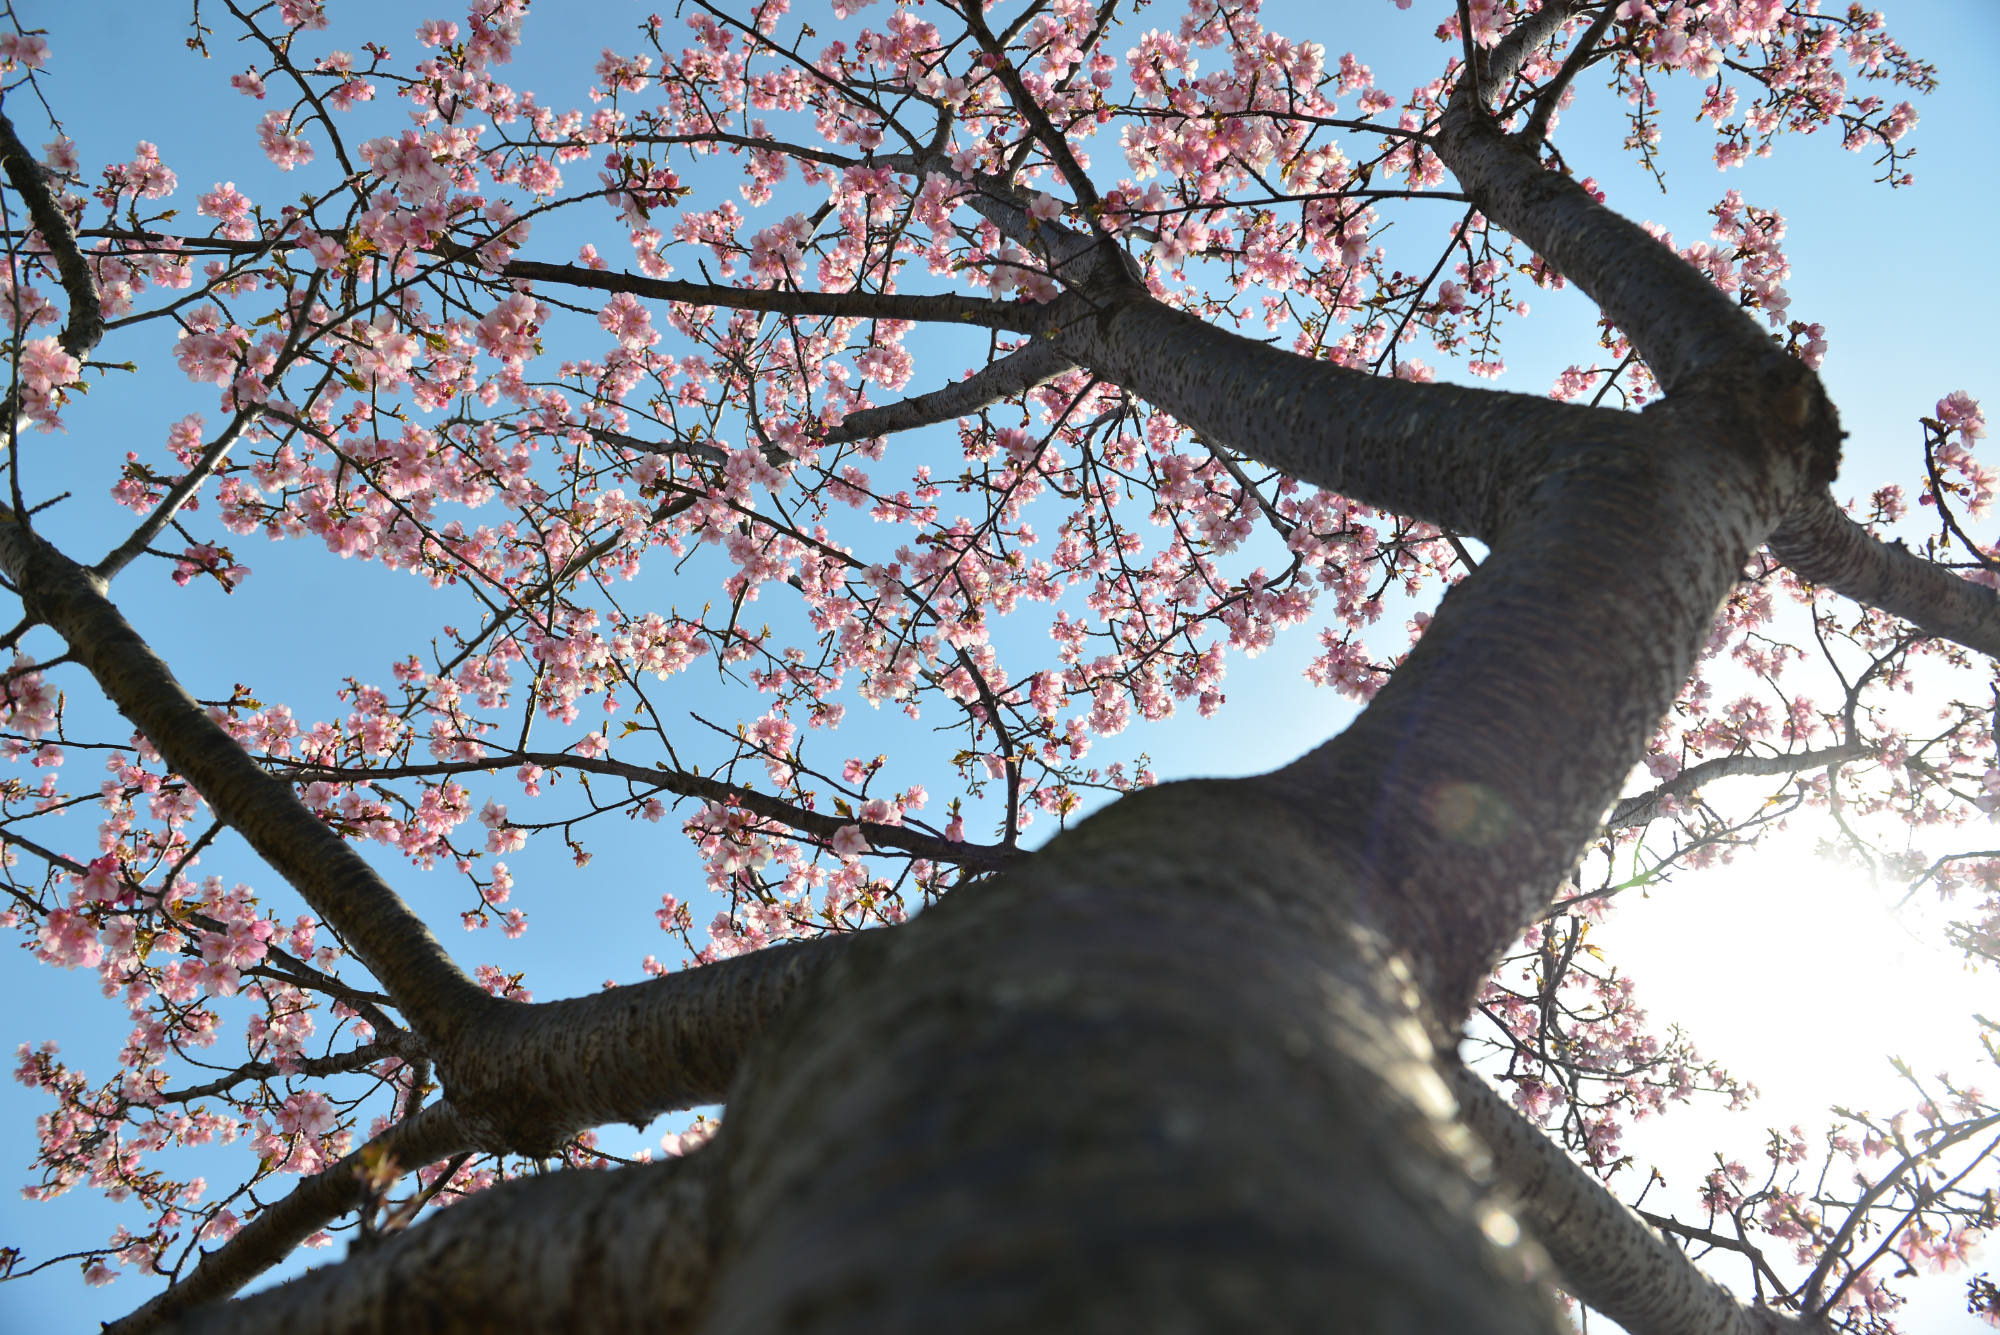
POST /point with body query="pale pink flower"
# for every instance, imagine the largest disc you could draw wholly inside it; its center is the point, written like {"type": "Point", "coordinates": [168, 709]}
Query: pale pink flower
{"type": "Point", "coordinates": [1961, 411]}
{"type": "Point", "coordinates": [219, 979]}
{"type": "Point", "coordinates": [308, 1112]}
{"type": "Point", "coordinates": [23, 49]}
{"type": "Point", "coordinates": [628, 321]}
{"type": "Point", "coordinates": [685, 1142]}
{"type": "Point", "coordinates": [408, 164]}
{"type": "Point", "coordinates": [284, 148]}
{"type": "Point", "coordinates": [46, 370]}
{"type": "Point", "coordinates": [60, 155]}
{"type": "Point", "coordinates": [99, 883]}
{"type": "Point", "coordinates": [230, 207]}
{"type": "Point", "coordinates": [307, 14]}
{"type": "Point", "coordinates": [508, 330]}
{"type": "Point", "coordinates": [68, 939]}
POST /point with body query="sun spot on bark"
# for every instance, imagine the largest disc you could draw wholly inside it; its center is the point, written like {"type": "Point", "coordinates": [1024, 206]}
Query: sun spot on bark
{"type": "Point", "coordinates": [1468, 813]}
{"type": "Point", "coordinates": [1500, 1228]}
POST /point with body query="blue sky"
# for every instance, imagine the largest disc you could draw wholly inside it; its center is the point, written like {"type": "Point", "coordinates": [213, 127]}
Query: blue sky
{"type": "Point", "coordinates": [1892, 274]}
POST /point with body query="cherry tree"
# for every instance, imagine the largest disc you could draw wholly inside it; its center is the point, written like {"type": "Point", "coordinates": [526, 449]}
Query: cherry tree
{"type": "Point", "coordinates": [1198, 1059]}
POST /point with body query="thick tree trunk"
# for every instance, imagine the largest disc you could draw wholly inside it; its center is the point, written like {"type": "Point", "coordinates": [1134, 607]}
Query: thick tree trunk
{"type": "Point", "coordinates": [1167, 1077]}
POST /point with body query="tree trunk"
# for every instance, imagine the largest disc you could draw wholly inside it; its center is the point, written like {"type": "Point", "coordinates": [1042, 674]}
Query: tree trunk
{"type": "Point", "coordinates": [1165, 1078]}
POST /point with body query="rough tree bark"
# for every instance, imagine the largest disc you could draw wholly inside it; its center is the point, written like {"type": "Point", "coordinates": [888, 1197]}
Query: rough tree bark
{"type": "Point", "coordinates": [1181, 1069]}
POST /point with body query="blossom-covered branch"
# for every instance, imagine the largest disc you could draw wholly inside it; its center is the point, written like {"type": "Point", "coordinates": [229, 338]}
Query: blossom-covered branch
{"type": "Point", "coordinates": [1010, 377]}
{"type": "Point", "coordinates": [426, 1136]}
{"type": "Point", "coordinates": [984, 857]}
{"type": "Point", "coordinates": [85, 326]}
{"type": "Point", "coordinates": [1638, 810]}
{"type": "Point", "coordinates": [395, 944]}
{"type": "Point", "coordinates": [1604, 1253]}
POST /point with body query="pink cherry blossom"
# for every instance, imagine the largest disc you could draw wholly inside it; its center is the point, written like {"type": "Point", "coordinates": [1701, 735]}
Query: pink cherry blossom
{"type": "Point", "coordinates": [23, 49]}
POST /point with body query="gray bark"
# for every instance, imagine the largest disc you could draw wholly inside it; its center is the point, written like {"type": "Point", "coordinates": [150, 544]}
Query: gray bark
{"type": "Point", "coordinates": [1827, 548]}
{"type": "Point", "coordinates": [1604, 1253]}
{"type": "Point", "coordinates": [1164, 1077]}
{"type": "Point", "coordinates": [1453, 456]}
{"type": "Point", "coordinates": [535, 1076]}
{"type": "Point", "coordinates": [586, 1253]}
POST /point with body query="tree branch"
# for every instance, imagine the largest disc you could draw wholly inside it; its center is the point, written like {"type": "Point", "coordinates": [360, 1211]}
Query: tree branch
{"type": "Point", "coordinates": [1681, 323]}
{"type": "Point", "coordinates": [1606, 1254]}
{"type": "Point", "coordinates": [592, 1253]}
{"type": "Point", "coordinates": [1449, 455]}
{"type": "Point", "coordinates": [1825, 547]}
{"type": "Point", "coordinates": [691, 449]}
{"type": "Point", "coordinates": [778, 146]}
{"type": "Point", "coordinates": [1015, 374]}
{"type": "Point", "coordinates": [997, 201]}
{"type": "Point", "coordinates": [1469, 62]}
{"type": "Point", "coordinates": [623, 1055]}
{"type": "Point", "coordinates": [355, 1059]}
{"type": "Point", "coordinates": [982, 312]}
{"type": "Point", "coordinates": [1037, 117]}
{"type": "Point", "coordinates": [1507, 56]}
{"type": "Point", "coordinates": [86, 315]}
{"type": "Point", "coordinates": [390, 939]}
{"type": "Point", "coordinates": [177, 496]}
{"type": "Point", "coordinates": [430, 1134]}
{"type": "Point", "coordinates": [985, 857]}
{"type": "Point", "coordinates": [1537, 128]}
{"type": "Point", "coordinates": [535, 1076]}
{"type": "Point", "coordinates": [1642, 807]}
{"type": "Point", "coordinates": [941, 308]}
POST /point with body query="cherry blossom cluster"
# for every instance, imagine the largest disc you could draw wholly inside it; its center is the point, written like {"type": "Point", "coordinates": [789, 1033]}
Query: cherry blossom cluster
{"type": "Point", "coordinates": [1880, 1197]}
{"type": "Point", "coordinates": [1571, 1041]}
